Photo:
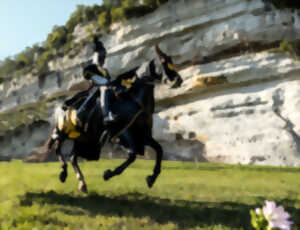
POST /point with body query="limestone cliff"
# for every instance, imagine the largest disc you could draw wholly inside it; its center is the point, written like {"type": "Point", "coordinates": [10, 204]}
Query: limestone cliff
{"type": "Point", "coordinates": [239, 100]}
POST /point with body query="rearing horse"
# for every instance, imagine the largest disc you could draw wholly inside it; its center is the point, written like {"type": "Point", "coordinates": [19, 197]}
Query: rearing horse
{"type": "Point", "coordinates": [133, 128]}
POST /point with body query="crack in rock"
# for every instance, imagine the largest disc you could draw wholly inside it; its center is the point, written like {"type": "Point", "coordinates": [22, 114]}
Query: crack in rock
{"type": "Point", "coordinates": [278, 102]}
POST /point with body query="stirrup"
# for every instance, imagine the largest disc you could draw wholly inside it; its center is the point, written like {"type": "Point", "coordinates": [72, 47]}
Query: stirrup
{"type": "Point", "coordinates": [103, 138]}
{"type": "Point", "coordinates": [85, 127]}
{"type": "Point", "coordinates": [110, 118]}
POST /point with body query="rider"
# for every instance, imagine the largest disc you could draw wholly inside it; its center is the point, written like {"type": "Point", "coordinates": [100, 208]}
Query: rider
{"type": "Point", "coordinates": [100, 77]}
{"type": "Point", "coordinates": [106, 96]}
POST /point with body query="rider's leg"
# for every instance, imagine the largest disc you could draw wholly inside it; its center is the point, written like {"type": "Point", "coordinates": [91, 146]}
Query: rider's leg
{"type": "Point", "coordinates": [106, 104]}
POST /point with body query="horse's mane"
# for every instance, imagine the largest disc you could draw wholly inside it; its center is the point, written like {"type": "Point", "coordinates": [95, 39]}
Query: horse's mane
{"type": "Point", "coordinates": [127, 75]}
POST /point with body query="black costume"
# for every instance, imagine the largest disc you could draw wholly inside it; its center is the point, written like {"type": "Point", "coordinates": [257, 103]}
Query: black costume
{"type": "Point", "coordinates": [100, 78]}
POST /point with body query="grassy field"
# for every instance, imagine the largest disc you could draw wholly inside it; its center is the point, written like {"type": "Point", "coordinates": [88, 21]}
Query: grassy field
{"type": "Point", "coordinates": [185, 196]}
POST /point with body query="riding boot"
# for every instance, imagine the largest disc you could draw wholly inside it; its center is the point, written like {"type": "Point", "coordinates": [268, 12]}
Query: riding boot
{"type": "Point", "coordinates": [106, 101]}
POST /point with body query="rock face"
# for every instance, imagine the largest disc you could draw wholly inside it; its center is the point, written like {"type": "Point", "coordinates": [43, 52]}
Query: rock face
{"type": "Point", "coordinates": [239, 102]}
{"type": "Point", "coordinates": [250, 116]}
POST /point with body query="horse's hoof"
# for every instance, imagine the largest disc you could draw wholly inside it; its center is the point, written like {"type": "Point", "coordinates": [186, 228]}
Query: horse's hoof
{"type": "Point", "coordinates": [150, 181]}
{"type": "Point", "coordinates": [62, 176]}
{"type": "Point", "coordinates": [83, 188]}
{"type": "Point", "coordinates": [107, 174]}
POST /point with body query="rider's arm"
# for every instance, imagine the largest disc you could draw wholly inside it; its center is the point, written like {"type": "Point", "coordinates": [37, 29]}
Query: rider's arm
{"type": "Point", "coordinates": [99, 80]}
{"type": "Point", "coordinates": [72, 100]}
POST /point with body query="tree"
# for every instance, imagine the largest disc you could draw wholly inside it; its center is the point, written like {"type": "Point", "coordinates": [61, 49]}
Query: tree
{"type": "Point", "coordinates": [57, 38]}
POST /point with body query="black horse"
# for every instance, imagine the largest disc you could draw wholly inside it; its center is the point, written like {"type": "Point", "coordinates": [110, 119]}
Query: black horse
{"type": "Point", "coordinates": [133, 129]}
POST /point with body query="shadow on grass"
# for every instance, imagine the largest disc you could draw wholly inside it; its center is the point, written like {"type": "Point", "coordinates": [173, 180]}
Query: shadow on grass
{"type": "Point", "coordinates": [221, 167]}
{"type": "Point", "coordinates": [181, 212]}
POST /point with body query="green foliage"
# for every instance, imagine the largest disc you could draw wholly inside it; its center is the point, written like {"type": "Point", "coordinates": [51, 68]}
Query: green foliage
{"type": "Point", "coordinates": [22, 63]}
{"type": "Point", "coordinates": [69, 45]}
{"type": "Point", "coordinates": [162, 1]}
{"type": "Point", "coordinates": [118, 14]}
{"type": "Point", "coordinates": [56, 39]}
{"type": "Point", "coordinates": [60, 40]}
{"type": "Point", "coordinates": [76, 48]}
{"type": "Point", "coordinates": [25, 58]}
{"type": "Point", "coordinates": [112, 3]}
{"type": "Point", "coordinates": [128, 3]}
{"type": "Point", "coordinates": [104, 20]}
{"type": "Point", "coordinates": [283, 4]}
{"type": "Point", "coordinates": [84, 14]}
{"type": "Point", "coordinates": [151, 3]}
{"type": "Point", "coordinates": [76, 18]}
{"type": "Point", "coordinates": [291, 48]}
{"type": "Point", "coordinates": [258, 221]}
{"type": "Point", "coordinates": [94, 29]}
{"type": "Point", "coordinates": [42, 63]}
{"type": "Point", "coordinates": [185, 197]}
{"type": "Point", "coordinates": [7, 67]}
{"type": "Point", "coordinates": [137, 11]}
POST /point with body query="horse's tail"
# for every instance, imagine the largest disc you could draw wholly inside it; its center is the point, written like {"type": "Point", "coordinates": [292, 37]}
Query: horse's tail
{"type": "Point", "coordinates": [58, 113]}
{"type": "Point", "coordinates": [50, 143]}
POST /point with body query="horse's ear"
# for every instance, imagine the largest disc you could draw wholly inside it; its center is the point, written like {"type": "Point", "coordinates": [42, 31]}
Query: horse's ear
{"type": "Point", "coordinates": [162, 56]}
{"type": "Point", "coordinates": [158, 51]}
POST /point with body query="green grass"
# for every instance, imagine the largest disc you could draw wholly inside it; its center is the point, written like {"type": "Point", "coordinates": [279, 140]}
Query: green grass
{"type": "Point", "coordinates": [185, 196]}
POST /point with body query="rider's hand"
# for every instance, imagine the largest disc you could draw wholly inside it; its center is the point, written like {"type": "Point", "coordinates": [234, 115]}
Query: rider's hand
{"type": "Point", "coordinates": [64, 107]}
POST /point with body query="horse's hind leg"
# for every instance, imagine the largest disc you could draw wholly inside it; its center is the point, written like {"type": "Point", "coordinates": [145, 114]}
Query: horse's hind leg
{"type": "Point", "coordinates": [82, 185]}
{"type": "Point", "coordinates": [159, 155]}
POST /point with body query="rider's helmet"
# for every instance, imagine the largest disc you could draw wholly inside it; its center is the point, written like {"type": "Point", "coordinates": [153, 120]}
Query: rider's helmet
{"type": "Point", "coordinates": [100, 52]}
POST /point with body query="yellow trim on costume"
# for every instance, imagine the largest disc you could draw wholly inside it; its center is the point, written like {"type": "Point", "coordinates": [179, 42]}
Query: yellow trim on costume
{"type": "Point", "coordinates": [67, 123]}
{"type": "Point", "coordinates": [128, 82]}
{"type": "Point", "coordinates": [103, 71]}
{"type": "Point", "coordinates": [73, 117]}
{"type": "Point", "coordinates": [74, 135]}
{"type": "Point", "coordinates": [172, 67]}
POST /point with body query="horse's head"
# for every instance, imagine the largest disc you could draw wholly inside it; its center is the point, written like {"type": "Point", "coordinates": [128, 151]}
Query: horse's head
{"type": "Point", "coordinates": [170, 70]}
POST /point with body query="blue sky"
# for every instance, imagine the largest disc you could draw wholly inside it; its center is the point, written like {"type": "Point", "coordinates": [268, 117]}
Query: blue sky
{"type": "Point", "coordinates": [26, 22]}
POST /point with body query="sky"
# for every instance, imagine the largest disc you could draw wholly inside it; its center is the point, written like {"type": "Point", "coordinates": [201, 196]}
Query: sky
{"type": "Point", "coordinates": [26, 22]}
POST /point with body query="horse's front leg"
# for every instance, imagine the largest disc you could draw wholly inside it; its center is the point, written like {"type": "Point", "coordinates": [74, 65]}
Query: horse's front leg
{"type": "Point", "coordinates": [132, 156]}
{"type": "Point", "coordinates": [64, 173]}
{"type": "Point", "coordinates": [159, 155]}
{"type": "Point", "coordinates": [82, 185]}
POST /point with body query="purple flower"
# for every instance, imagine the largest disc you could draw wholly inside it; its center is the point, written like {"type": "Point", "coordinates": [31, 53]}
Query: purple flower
{"type": "Point", "coordinates": [276, 216]}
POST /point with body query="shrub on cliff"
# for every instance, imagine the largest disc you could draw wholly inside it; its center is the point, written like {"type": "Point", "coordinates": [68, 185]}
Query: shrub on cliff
{"type": "Point", "coordinates": [7, 67]}
{"type": "Point", "coordinates": [84, 14]}
{"type": "Point", "coordinates": [60, 40]}
{"type": "Point", "coordinates": [283, 4]}
{"type": "Point", "coordinates": [20, 63]}
{"type": "Point", "coordinates": [291, 48]}
{"type": "Point", "coordinates": [42, 63]}
{"type": "Point", "coordinates": [118, 14]}
{"type": "Point", "coordinates": [27, 56]}
{"type": "Point", "coordinates": [137, 11]}
{"type": "Point", "coordinates": [104, 20]}
{"type": "Point", "coordinates": [56, 39]}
